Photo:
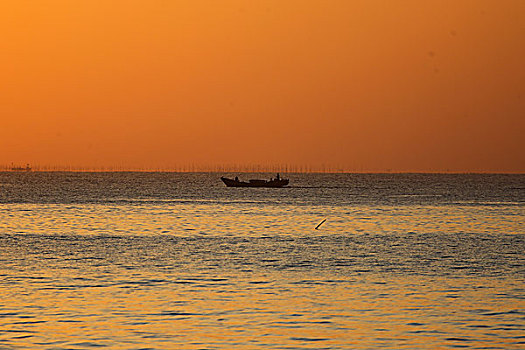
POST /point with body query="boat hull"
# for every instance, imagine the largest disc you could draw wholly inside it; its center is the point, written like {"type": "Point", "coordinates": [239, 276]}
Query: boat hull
{"type": "Point", "coordinates": [255, 183]}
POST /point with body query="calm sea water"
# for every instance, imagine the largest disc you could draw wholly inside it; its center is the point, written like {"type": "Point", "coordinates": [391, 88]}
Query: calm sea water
{"type": "Point", "coordinates": [179, 261]}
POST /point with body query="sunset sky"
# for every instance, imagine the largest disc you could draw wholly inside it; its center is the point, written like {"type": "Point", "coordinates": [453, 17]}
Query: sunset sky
{"type": "Point", "coordinates": [358, 85]}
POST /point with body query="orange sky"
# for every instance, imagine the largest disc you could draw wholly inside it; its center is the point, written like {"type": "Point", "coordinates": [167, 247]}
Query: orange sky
{"type": "Point", "coordinates": [364, 85]}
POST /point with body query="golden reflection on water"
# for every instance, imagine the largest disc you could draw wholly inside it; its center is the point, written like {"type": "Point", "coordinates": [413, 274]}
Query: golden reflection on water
{"type": "Point", "coordinates": [209, 219]}
{"type": "Point", "coordinates": [189, 276]}
{"type": "Point", "coordinates": [369, 312]}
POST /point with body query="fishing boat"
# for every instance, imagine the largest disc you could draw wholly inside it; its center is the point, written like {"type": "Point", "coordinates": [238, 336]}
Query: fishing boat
{"type": "Point", "coordinates": [277, 182]}
{"type": "Point", "coordinates": [27, 168]}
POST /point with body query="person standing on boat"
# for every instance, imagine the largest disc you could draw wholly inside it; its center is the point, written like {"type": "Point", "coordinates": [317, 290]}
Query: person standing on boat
{"type": "Point", "coordinates": [277, 178]}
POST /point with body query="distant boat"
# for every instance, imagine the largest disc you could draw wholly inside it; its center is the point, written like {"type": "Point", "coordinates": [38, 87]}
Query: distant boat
{"type": "Point", "coordinates": [27, 168]}
{"type": "Point", "coordinates": [277, 182]}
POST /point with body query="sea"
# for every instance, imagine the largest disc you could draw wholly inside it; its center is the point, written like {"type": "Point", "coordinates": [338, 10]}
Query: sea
{"type": "Point", "coordinates": [153, 260]}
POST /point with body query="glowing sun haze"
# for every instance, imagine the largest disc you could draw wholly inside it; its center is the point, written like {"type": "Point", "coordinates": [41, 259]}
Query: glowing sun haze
{"type": "Point", "coordinates": [364, 85]}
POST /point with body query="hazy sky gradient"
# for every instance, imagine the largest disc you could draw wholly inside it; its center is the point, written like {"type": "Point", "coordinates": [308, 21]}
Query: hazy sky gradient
{"type": "Point", "coordinates": [365, 85]}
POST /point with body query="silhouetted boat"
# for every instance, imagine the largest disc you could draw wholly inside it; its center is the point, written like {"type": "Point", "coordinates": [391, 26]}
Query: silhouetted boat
{"type": "Point", "coordinates": [27, 168]}
{"type": "Point", "coordinates": [277, 182]}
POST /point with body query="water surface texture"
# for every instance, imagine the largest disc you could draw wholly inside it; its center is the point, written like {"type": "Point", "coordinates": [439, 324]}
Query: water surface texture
{"type": "Point", "coordinates": [171, 260]}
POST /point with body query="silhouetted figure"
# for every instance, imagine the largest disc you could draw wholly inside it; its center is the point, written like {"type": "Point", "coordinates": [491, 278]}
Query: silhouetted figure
{"type": "Point", "coordinates": [236, 178]}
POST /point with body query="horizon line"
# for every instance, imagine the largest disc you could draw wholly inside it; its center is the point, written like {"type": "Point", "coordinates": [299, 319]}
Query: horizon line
{"type": "Point", "coordinates": [249, 168]}
{"type": "Point", "coordinates": [246, 171]}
